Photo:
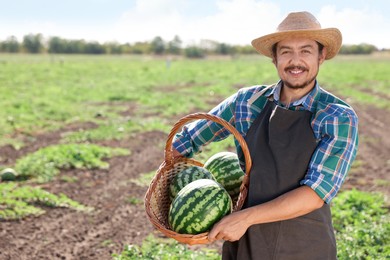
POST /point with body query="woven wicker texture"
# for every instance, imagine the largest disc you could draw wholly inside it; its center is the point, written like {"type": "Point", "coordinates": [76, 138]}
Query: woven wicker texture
{"type": "Point", "coordinates": [157, 201]}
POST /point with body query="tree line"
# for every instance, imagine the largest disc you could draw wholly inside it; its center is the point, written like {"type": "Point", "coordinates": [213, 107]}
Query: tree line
{"type": "Point", "coordinates": [36, 43]}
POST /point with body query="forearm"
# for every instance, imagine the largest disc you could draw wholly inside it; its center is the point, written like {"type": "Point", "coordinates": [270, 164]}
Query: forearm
{"type": "Point", "coordinates": [290, 205]}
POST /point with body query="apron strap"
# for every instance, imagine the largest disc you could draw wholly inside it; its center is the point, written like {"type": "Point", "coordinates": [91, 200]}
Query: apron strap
{"type": "Point", "coordinates": [259, 94]}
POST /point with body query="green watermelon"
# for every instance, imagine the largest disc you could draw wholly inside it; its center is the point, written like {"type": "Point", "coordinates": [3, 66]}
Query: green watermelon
{"type": "Point", "coordinates": [186, 176]}
{"type": "Point", "coordinates": [226, 169]}
{"type": "Point", "coordinates": [8, 174]}
{"type": "Point", "coordinates": [198, 206]}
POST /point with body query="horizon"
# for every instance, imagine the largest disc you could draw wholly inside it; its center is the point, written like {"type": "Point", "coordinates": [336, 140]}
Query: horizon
{"type": "Point", "coordinates": [234, 22]}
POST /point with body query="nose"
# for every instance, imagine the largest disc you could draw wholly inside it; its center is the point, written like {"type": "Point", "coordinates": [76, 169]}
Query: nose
{"type": "Point", "coordinates": [295, 58]}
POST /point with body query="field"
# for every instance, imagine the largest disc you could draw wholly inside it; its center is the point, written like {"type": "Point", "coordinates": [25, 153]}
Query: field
{"type": "Point", "coordinates": [131, 102]}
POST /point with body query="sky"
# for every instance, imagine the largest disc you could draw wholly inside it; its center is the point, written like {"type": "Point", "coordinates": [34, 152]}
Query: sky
{"type": "Point", "coordinates": [224, 21]}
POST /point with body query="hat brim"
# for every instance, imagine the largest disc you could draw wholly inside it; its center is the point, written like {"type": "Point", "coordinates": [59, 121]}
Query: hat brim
{"type": "Point", "coordinates": [330, 38]}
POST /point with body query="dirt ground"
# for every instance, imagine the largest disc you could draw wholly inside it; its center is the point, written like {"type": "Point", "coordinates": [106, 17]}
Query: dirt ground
{"type": "Point", "coordinates": [67, 234]}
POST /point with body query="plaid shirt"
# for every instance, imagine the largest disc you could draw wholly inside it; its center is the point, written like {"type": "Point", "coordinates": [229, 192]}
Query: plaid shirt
{"type": "Point", "coordinates": [334, 124]}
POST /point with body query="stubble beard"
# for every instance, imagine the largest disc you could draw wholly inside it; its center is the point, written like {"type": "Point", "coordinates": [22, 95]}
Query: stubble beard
{"type": "Point", "coordinates": [305, 84]}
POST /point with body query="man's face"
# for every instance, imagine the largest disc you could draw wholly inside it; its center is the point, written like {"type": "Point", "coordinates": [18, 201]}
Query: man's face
{"type": "Point", "coordinates": [297, 61]}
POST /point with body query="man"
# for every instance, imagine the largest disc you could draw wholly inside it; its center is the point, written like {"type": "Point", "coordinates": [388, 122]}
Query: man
{"type": "Point", "coordinates": [302, 142]}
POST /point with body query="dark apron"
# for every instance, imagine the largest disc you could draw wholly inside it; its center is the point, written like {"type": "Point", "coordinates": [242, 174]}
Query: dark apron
{"type": "Point", "coordinates": [281, 143]}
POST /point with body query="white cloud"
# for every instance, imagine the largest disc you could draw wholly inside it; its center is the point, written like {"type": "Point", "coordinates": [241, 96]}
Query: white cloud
{"type": "Point", "coordinates": [149, 19]}
{"type": "Point", "coordinates": [236, 21]}
{"type": "Point", "coordinates": [357, 26]}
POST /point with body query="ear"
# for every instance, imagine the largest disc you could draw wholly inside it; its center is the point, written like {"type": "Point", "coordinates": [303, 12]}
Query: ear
{"type": "Point", "coordinates": [322, 55]}
{"type": "Point", "coordinates": [274, 61]}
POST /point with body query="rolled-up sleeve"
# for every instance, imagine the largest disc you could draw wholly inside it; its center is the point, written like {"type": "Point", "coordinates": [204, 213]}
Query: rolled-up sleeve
{"type": "Point", "coordinates": [335, 152]}
{"type": "Point", "coordinates": [199, 133]}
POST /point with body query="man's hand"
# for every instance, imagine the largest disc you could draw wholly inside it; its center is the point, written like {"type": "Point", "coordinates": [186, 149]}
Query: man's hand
{"type": "Point", "coordinates": [230, 228]}
{"type": "Point", "coordinates": [175, 153]}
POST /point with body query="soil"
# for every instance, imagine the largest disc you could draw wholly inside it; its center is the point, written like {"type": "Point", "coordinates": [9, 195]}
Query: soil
{"type": "Point", "coordinates": [67, 234]}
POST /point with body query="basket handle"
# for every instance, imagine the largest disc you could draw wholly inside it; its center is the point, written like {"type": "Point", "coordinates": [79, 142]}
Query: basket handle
{"type": "Point", "coordinates": [179, 124]}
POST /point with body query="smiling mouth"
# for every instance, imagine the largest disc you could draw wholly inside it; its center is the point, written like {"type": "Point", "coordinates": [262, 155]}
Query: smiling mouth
{"type": "Point", "coordinates": [295, 70]}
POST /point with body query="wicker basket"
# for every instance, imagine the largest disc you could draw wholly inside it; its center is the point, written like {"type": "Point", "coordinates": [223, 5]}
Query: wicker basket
{"type": "Point", "coordinates": [157, 201]}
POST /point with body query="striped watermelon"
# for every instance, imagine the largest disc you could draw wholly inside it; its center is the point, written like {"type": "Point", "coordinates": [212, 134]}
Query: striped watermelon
{"type": "Point", "coordinates": [198, 206]}
{"type": "Point", "coordinates": [8, 174]}
{"type": "Point", "coordinates": [226, 169]}
{"type": "Point", "coordinates": [186, 176]}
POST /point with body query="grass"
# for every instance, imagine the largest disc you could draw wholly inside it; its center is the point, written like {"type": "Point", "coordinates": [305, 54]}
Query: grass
{"type": "Point", "coordinates": [43, 94]}
{"type": "Point", "coordinates": [362, 225]}
{"type": "Point", "coordinates": [164, 249]}
{"type": "Point", "coordinates": [115, 130]}
{"type": "Point", "coordinates": [361, 222]}
{"type": "Point", "coordinates": [135, 201]}
{"type": "Point", "coordinates": [362, 79]}
{"type": "Point", "coordinates": [45, 163]}
{"type": "Point", "coordinates": [19, 201]}
{"type": "Point", "coordinates": [144, 179]}
{"type": "Point", "coordinates": [126, 95]}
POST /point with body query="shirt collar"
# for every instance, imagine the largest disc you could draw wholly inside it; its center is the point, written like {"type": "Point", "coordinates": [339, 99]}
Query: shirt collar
{"type": "Point", "coordinates": [306, 101]}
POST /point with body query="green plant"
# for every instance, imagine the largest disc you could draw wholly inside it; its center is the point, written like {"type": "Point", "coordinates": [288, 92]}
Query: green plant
{"type": "Point", "coordinates": [115, 130]}
{"type": "Point", "coordinates": [164, 249]}
{"type": "Point", "coordinates": [144, 179]}
{"type": "Point", "coordinates": [45, 163]}
{"type": "Point", "coordinates": [135, 201]}
{"type": "Point", "coordinates": [18, 201]}
{"type": "Point", "coordinates": [145, 85]}
{"type": "Point", "coordinates": [361, 222]}
{"type": "Point", "coordinates": [69, 179]}
{"type": "Point", "coordinates": [362, 225]}
{"type": "Point", "coordinates": [107, 243]}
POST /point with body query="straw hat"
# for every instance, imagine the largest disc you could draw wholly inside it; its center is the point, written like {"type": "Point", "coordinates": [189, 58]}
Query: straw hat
{"type": "Point", "coordinates": [301, 24]}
